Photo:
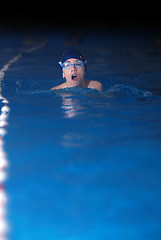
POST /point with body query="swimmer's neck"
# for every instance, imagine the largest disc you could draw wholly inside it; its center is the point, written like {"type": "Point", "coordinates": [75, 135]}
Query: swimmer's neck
{"type": "Point", "coordinates": [84, 84]}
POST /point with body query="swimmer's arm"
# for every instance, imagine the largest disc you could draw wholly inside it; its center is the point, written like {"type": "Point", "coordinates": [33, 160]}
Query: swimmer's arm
{"type": "Point", "coordinates": [100, 88]}
{"type": "Point", "coordinates": [61, 86]}
{"type": "Point", "coordinates": [95, 85]}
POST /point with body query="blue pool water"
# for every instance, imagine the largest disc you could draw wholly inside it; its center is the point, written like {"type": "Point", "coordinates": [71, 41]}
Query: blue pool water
{"type": "Point", "coordinates": [83, 164]}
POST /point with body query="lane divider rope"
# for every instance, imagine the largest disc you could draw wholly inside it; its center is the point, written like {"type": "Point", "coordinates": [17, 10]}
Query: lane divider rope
{"type": "Point", "coordinates": [4, 113]}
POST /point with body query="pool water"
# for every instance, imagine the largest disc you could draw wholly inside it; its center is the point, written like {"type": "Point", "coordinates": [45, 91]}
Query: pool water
{"type": "Point", "coordinates": [83, 164]}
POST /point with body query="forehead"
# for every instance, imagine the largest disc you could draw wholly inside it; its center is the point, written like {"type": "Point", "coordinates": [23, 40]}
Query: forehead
{"type": "Point", "coordinates": [72, 60]}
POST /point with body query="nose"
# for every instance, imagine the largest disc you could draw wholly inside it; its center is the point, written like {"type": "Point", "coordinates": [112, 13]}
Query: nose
{"type": "Point", "coordinates": [73, 68]}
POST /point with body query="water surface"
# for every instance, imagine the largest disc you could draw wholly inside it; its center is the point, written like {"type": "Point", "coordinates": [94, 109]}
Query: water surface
{"type": "Point", "coordinates": [85, 164]}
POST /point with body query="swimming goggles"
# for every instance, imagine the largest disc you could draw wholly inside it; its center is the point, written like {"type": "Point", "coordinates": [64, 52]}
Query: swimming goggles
{"type": "Point", "coordinates": [68, 65]}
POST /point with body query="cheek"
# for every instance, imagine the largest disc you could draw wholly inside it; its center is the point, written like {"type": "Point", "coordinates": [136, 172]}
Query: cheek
{"type": "Point", "coordinates": [66, 74]}
{"type": "Point", "coordinates": [81, 73]}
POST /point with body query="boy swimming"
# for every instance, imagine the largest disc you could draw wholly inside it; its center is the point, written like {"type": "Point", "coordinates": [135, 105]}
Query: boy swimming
{"type": "Point", "coordinates": [74, 65]}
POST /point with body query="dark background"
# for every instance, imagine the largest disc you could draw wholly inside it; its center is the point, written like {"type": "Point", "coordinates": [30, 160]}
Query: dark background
{"type": "Point", "coordinates": [51, 15]}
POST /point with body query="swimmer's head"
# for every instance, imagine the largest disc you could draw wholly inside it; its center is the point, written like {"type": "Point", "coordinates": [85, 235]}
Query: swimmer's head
{"type": "Point", "coordinates": [73, 53]}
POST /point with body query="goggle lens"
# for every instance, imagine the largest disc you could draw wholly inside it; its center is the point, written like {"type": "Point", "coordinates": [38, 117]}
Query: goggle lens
{"type": "Point", "coordinates": [77, 64]}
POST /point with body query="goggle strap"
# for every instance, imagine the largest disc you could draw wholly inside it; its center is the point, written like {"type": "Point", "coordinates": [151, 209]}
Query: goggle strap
{"type": "Point", "coordinates": [61, 64]}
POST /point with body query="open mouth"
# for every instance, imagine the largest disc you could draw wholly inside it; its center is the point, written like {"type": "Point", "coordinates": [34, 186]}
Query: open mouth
{"type": "Point", "coordinates": [74, 77]}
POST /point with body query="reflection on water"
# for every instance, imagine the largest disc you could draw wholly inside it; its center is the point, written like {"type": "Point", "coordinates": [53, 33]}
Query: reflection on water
{"type": "Point", "coordinates": [77, 104]}
{"type": "Point", "coordinates": [32, 46]}
{"type": "Point", "coordinates": [4, 226]}
{"type": "Point", "coordinates": [71, 105]}
{"type": "Point", "coordinates": [3, 175]}
{"type": "Point", "coordinates": [72, 108]}
{"type": "Point", "coordinates": [72, 140]}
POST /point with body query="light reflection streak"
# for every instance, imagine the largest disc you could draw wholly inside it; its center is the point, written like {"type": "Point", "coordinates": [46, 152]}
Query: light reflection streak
{"type": "Point", "coordinates": [73, 108]}
{"type": "Point", "coordinates": [4, 112]}
{"type": "Point", "coordinates": [71, 105]}
{"type": "Point", "coordinates": [4, 226]}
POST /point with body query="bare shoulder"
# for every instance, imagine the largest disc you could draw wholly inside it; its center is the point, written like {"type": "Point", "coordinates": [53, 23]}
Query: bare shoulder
{"type": "Point", "coordinates": [94, 85]}
{"type": "Point", "coordinates": [61, 86]}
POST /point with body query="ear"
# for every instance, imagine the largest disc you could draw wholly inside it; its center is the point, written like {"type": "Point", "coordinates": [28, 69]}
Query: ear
{"type": "Point", "coordinates": [63, 75]}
